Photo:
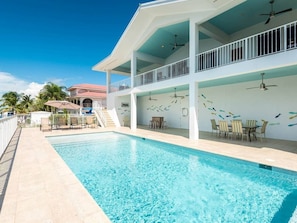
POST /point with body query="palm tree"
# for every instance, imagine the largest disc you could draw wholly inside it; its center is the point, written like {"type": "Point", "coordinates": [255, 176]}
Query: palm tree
{"type": "Point", "coordinates": [10, 99]}
{"type": "Point", "coordinates": [26, 103]}
{"type": "Point", "coordinates": [51, 91]}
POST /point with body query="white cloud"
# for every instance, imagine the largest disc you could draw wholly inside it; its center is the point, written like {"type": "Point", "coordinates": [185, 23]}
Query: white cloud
{"type": "Point", "coordinates": [8, 83]}
{"type": "Point", "coordinates": [33, 89]}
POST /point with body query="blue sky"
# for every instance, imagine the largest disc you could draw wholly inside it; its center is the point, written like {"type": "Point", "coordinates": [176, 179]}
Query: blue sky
{"type": "Point", "coordinates": [58, 40]}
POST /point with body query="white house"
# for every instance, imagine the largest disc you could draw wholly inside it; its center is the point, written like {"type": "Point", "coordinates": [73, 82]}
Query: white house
{"type": "Point", "coordinates": [189, 61]}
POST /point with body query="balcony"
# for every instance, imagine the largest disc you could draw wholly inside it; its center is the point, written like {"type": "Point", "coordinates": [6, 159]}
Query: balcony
{"type": "Point", "coordinates": [173, 70]}
{"type": "Point", "coordinates": [277, 40]}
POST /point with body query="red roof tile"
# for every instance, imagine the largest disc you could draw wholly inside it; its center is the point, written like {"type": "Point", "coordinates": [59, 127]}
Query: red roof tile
{"type": "Point", "coordinates": [88, 86]}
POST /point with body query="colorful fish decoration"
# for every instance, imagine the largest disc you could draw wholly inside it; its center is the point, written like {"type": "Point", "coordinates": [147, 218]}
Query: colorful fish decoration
{"type": "Point", "coordinates": [277, 115]}
{"type": "Point", "coordinates": [290, 125]}
{"type": "Point", "coordinates": [221, 117]}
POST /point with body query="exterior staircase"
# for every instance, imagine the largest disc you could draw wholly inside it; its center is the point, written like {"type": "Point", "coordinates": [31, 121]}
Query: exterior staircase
{"type": "Point", "coordinates": [108, 120]}
{"type": "Point", "coordinates": [104, 118]}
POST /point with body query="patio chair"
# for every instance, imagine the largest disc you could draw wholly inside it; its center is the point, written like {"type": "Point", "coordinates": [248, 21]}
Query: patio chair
{"type": "Point", "coordinates": [223, 128]}
{"type": "Point", "coordinates": [251, 125]}
{"type": "Point", "coordinates": [62, 123]}
{"type": "Point", "coordinates": [74, 123]}
{"type": "Point", "coordinates": [237, 130]}
{"type": "Point", "coordinates": [163, 125]}
{"type": "Point", "coordinates": [262, 131]}
{"type": "Point", "coordinates": [214, 126]}
{"type": "Point", "coordinates": [45, 124]}
{"type": "Point", "coordinates": [126, 121]}
{"type": "Point", "coordinates": [90, 122]}
{"type": "Point", "coordinates": [153, 124]}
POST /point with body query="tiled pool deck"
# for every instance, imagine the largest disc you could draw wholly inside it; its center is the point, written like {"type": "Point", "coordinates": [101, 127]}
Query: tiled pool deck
{"type": "Point", "coordinates": [42, 189]}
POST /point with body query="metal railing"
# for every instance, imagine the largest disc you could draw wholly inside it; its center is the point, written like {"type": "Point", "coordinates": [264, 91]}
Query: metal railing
{"type": "Point", "coordinates": [177, 69]}
{"type": "Point", "coordinates": [8, 125]}
{"type": "Point", "coordinates": [270, 42]}
{"type": "Point", "coordinates": [58, 121]}
{"type": "Point", "coordinates": [273, 41]}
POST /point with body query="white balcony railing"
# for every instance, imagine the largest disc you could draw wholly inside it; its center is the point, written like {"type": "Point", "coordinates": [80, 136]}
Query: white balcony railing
{"type": "Point", "coordinates": [120, 85]}
{"type": "Point", "coordinates": [266, 43]}
{"type": "Point", "coordinates": [8, 125]}
{"type": "Point", "coordinates": [170, 71]}
{"type": "Point", "coordinates": [273, 41]}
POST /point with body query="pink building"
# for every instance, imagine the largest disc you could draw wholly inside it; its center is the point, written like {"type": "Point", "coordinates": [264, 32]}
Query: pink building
{"type": "Point", "coordinates": [89, 96]}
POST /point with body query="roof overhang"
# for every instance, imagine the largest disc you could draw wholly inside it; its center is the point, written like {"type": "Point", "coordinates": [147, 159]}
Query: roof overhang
{"type": "Point", "coordinates": [151, 16]}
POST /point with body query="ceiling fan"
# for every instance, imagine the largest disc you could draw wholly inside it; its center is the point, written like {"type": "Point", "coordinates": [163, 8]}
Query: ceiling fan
{"type": "Point", "coordinates": [175, 44]}
{"type": "Point", "coordinates": [262, 85]}
{"type": "Point", "coordinates": [152, 99]}
{"type": "Point", "coordinates": [273, 13]}
{"type": "Point", "coordinates": [175, 95]}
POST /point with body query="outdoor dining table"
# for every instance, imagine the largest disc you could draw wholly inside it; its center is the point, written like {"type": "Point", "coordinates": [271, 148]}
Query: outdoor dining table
{"type": "Point", "coordinates": [248, 129]}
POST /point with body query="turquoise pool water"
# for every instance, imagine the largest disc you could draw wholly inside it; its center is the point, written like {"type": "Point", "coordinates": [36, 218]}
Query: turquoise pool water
{"type": "Point", "coordinates": [139, 180]}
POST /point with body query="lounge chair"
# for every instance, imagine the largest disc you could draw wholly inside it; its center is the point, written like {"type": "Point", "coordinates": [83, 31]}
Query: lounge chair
{"type": "Point", "coordinates": [45, 124]}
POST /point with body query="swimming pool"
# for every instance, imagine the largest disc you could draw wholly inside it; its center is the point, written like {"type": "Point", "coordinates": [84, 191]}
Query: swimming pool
{"type": "Point", "coordinates": [139, 180]}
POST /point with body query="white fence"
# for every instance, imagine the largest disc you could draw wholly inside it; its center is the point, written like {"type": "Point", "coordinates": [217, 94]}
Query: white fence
{"type": "Point", "coordinates": [8, 126]}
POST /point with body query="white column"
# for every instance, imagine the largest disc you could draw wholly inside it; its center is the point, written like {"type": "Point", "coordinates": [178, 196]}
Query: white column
{"type": "Point", "coordinates": [193, 46]}
{"type": "Point", "coordinates": [133, 97]}
{"type": "Point", "coordinates": [133, 67]}
{"type": "Point", "coordinates": [133, 118]}
{"type": "Point", "coordinates": [108, 78]}
{"type": "Point", "coordinates": [193, 86]}
{"type": "Point", "coordinates": [193, 111]}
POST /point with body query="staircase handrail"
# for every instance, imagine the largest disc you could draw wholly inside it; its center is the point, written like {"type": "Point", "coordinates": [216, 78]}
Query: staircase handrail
{"type": "Point", "coordinates": [100, 116]}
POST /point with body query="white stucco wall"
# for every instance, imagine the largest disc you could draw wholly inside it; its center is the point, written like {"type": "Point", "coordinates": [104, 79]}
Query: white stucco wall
{"type": "Point", "coordinates": [36, 117]}
{"type": "Point", "coordinates": [165, 106]}
{"type": "Point", "coordinates": [278, 105]}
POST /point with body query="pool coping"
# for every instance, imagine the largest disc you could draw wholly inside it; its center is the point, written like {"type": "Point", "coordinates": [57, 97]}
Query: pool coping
{"type": "Point", "coordinates": [42, 188]}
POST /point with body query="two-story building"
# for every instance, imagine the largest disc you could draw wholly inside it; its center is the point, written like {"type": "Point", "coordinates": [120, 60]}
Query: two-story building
{"type": "Point", "coordinates": [189, 61]}
{"type": "Point", "coordinates": [89, 96]}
